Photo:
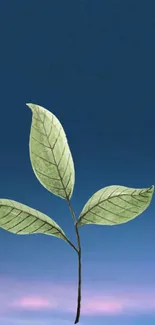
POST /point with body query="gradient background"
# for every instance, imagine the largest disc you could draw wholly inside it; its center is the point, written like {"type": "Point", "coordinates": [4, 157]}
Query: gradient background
{"type": "Point", "coordinates": [92, 63]}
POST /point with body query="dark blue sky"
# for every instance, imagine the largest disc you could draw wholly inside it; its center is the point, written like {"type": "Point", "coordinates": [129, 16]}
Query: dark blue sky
{"type": "Point", "coordinates": [91, 63]}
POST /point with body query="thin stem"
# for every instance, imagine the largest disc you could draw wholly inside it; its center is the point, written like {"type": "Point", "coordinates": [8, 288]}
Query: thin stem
{"type": "Point", "coordinates": [79, 264]}
{"type": "Point", "coordinates": [71, 210]}
{"type": "Point", "coordinates": [69, 242]}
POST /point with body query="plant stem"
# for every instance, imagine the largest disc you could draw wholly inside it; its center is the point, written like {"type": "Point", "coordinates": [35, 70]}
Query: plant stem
{"type": "Point", "coordinates": [79, 264]}
{"type": "Point", "coordinates": [79, 278]}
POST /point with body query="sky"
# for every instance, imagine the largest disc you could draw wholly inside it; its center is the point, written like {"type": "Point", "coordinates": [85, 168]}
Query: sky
{"type": "Point", "coordinates": [91, 63]}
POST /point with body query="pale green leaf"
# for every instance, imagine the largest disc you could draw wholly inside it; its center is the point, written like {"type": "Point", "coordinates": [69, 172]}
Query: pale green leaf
{"type": "Point", "coordinates": [50, 155]}
{"type": "Point", "coordinates": [114, 205]}
{"type": "Point", "coordinates": [20, 219]}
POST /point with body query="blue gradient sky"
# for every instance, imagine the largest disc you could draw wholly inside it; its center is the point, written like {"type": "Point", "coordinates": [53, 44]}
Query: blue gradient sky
{"type": "Point", "coordinates": [92, 63]}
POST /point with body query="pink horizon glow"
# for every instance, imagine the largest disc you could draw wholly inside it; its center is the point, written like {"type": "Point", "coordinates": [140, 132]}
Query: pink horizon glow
{"type": "Point", "coordinates": [40, 296]}
{"type": "Point", "coordinates": [102, 306]}
{"type": "Point", "coordinates": [33, 303]}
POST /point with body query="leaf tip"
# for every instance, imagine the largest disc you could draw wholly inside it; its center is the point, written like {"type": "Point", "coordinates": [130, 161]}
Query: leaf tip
{"type": "Point", "coordinates": [152, 189]}
{"type": "Point", "coordinates": [30, 105]}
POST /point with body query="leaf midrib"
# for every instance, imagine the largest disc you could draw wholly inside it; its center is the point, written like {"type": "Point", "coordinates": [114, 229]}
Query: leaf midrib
{"type": "Point", "coordinates": [61, 179]}
{"type": "Point", "coordinates": [111, 198]}
{"type": "Point", "coordinates": [30, 214]}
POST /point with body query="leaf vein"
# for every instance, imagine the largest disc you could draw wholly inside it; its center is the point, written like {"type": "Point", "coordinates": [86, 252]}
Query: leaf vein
{"type": "Point", "coordinates": [42, 158]}
{"type": "Point", "coordinates": [57, 139]}
{"type": "Point", "coordinates": [48, 136]}
{"type": "Point", "coordinates": [41, 173]}
{"type": "Point", "coordinates": [44, 223]}
{"type": "Point", "coordinates": [62, 155]}
{"type": "Point", "coordinates": [97, 215]}
{"type": "Point", "coordinates": [119, 206]}
{"type": "Point", "coordinates": [7, 213]}
{"type": "Point", "coordinates": [27, 226]}
{"type": "Point", "coordinates": [37, 129]}
{"type": "Point", "coordinates": [51, 227]}
{"type": "Point", "coordinates": [44, 145]}
{"type": "Point", "coordinates": [136, 198]}
{"type": "Point", "coordinates": [18, 222]}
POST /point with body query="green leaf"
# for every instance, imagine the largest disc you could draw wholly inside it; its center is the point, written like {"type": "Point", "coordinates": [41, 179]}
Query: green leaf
{"type": "Point", "coordinates": [114, 205]}
{"type": "Point", "coordinates": [50, 155]}
{"type": "Point", "coordinates": [20, 219]}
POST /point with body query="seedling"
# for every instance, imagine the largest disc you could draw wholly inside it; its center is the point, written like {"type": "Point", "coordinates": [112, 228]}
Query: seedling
{"type": "Point", "coordinates": [53, 166]}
